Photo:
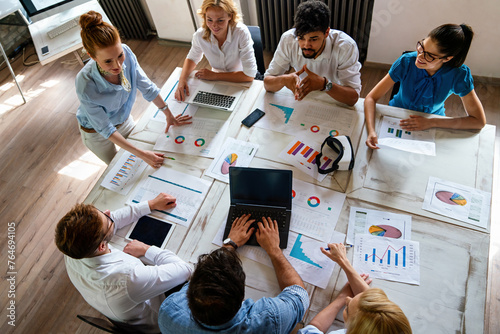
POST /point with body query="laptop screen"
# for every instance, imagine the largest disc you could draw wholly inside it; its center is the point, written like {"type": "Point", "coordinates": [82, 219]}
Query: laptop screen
{"type": "Point", "coordinates": [259, 186]}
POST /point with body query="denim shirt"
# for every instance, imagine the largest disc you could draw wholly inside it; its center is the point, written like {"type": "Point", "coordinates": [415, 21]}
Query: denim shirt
{"type": "Point", "coordinates": [104, 105]}
{"type": "Point", "coordinates": [267, 315]}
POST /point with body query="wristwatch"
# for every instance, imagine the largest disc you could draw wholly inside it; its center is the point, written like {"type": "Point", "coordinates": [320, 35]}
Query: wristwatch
{"type": "Point", "coordinates": [228, 241]}
{"type": "Point", "coordinates": [328, 85]}
{"type": "Point", "coordinates": [164, 108]}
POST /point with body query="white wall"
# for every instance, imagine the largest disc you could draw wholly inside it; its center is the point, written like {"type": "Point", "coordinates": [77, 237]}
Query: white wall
{"type": "Point", "coordinates": [397, 25]}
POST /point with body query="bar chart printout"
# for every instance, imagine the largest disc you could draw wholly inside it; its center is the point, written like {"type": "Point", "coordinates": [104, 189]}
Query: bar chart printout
{"type": "Point", "coordinates": [302, 154]}
{"type": "Point", "coordinates": [390, 259]}
{"type": "Point", "coordinates": [124, 173]}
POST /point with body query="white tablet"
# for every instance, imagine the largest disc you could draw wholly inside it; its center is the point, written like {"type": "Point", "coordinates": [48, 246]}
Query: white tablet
{"type": "Point", "coordinates": [151, 230]}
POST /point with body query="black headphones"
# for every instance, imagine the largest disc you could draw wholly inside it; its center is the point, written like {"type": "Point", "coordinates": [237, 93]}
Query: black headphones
{"type": "Point", "coordinates": [337, 146]}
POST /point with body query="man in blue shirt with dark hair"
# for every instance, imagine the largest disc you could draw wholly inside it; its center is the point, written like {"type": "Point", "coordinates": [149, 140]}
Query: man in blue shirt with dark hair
{"type": "Point", "coordinates": [213, 301]}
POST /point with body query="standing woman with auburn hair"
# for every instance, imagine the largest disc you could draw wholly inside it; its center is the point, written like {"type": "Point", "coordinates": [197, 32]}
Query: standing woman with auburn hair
{"type": "Point", "coordinates": [427, 77]}
{"type": "Point", "coordinates": [225, 42]}
{"type": "Point", "coordinates": [107, 87]}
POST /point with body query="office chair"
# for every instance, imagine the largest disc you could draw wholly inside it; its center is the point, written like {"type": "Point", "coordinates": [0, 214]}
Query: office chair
{"type": "Point", "coordinates": [110, 326]}
{"type": "Point", "coordinates": [395, 88]}
{"type": "Point", "coordinates": [258, 50]}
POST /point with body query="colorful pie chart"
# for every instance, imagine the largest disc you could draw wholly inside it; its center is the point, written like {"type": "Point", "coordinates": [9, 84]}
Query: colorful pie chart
{"type": "Point", "coordinates": [451, 198]}
{"type": "Point", "coordinates": [314, 128]}
{"type": "Point", "coordinates": [385, 231]}
{"type": "Point", "coordinates": [334, 133]}
{"type": "Point", "coordinates": [229, 161]}
{"type": "Point", "coordinates": [293, 193]}
{"type": "Point", "coordinates": [180, 140]}
{"type": "Point", "coordinates": [199, 142]}
{"type": "Point", "coordinates": [313, 201]}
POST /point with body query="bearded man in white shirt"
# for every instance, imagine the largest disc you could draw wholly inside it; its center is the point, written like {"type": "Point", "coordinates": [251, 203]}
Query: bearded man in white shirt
{"type": "Point", "coordinates": [117, 283]}
{"type": "Point", "coordinates": [324, 59]}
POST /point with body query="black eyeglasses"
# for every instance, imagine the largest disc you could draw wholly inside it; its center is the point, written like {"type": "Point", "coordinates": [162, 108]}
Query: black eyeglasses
{"type": "Point", "coordinates": [427, 56]}
{"type": "Point", "coordinates": [110, 225]}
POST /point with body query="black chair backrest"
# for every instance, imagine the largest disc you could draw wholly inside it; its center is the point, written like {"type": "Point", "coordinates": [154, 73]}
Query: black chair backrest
{"type": "Point", "coordinates": [395, 88]}
{"type": "Point", "coordinates": [257, 48]}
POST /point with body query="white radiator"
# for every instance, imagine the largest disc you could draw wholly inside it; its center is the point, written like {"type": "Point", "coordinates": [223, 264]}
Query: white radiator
{"type": "Point", "coordinates": [351, 16]}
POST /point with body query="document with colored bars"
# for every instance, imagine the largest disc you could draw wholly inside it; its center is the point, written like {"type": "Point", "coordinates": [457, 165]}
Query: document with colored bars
{"type": "Point", "coordinates": [315, 120]}
{"type": "Point", "coordinates": [315, 212]}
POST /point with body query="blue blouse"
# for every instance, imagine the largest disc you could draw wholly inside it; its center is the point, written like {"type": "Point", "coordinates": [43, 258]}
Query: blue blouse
{"type": "Point", "coordinates": [421, 92]}
{"type": "Point", "coordinates": [104, 105]}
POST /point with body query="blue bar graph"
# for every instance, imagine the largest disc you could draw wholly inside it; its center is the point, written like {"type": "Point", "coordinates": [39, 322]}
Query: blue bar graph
{"type": "Point", "coordinates": [388, 253]}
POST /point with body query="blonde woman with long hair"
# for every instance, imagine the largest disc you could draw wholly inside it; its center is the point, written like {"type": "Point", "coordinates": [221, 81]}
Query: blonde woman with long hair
{"type": "Point", "coordinates": [226, 43]}
{"type": "Point", "coordinates": [367, 311]}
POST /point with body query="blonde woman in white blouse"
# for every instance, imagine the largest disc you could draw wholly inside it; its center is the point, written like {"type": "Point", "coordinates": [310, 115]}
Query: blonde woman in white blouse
{"type": "Point", "coordinates": [225, 42]}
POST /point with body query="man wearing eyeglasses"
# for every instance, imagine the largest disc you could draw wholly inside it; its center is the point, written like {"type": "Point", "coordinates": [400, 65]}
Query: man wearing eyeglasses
{"type": "Point", "coordinates": [324, 59]}
{"type": "Point", "coordinates": [117, 283]}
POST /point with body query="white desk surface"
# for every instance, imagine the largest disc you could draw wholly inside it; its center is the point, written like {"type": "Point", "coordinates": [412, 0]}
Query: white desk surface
{"type": "Point", "coordinates": [67, 42]}
{"type": "Point", "coordinates": [453, 259]}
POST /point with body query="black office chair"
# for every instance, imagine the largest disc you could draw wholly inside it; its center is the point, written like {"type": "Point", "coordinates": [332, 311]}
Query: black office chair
{"type": "Point", "coordinates": [110, 326]}
{"type": "Point", "coordinates": [395, 88]}
{"type": "Point", "coordinates": [258, 50]}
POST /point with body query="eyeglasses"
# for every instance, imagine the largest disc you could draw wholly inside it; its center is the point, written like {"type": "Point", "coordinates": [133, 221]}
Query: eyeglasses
{"type": "Point", "coordinates": [110, 226]}
{"type": "Point", "coordinates": [427, 56]}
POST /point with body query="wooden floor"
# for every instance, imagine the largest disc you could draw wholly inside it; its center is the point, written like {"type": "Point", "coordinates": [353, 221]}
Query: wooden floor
{"type": "Point", "coordinates": [45, 169]}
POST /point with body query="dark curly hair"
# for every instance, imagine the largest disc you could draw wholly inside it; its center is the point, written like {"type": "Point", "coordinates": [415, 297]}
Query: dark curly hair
{"type": "Point", "coordinates": [313, 15]}
{"type": "Point", "coordinates": [217, 287]}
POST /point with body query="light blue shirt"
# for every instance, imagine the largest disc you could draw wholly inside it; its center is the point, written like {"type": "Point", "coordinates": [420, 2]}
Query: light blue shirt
{"type": "Point", "coordinates": [422, 92]}
{"type": "Point", "coordinates": [104, 105]}
{"type": "Point", "coordinates": [267, 315]}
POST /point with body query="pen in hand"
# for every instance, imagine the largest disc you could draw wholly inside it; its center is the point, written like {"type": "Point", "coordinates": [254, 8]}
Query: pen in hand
{"type": "Point", "coordinates": [347, 246]}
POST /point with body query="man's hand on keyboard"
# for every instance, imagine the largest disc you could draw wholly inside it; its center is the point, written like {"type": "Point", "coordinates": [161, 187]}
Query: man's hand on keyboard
{"type": "Point", "coordinates": [205, 74]}
{"type": "Point", "coordinates": [268, 235]}
{"type": "Point", "coordinates": [240, 231]}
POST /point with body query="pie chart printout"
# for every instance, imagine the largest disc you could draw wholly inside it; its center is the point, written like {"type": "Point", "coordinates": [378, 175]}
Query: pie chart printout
{"type": "Point", "coordinates": [385, 231]}
{"type": "Point", "coordinates": [229, 161]}
{"type": "Point", "coordinates": [451, 198]}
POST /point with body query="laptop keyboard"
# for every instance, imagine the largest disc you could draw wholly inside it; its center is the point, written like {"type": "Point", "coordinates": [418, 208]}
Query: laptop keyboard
{"type": "Point", "coordinates": [216, 100]}
{"type": "Point", "coordinates": [275, 214]}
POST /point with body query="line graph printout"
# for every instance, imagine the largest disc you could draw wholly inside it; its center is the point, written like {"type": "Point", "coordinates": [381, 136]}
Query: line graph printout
{"type": "Point", "coordinates": [302, 252]}
{"type": "Point", "coordinates": [390, 259]}
{"type": "Point", "coordinates": [391, 135]}
{"type": "Point", "coordinates": [121, 178]}
{"type": "Point", "coordinates": [302, 154]}
{"type": "Point", "coordinates": [188, 190]}
{"type": "Point", "coordinates": [313, 119]}
{"type": "Point", "coordinates": [203, 137]}
{"type": "Point", "coordinates": [315, 210]}
{"type": "Point", "coordinates": [378, 223]}
{"type": "Point", "coordinates": [457, 201]}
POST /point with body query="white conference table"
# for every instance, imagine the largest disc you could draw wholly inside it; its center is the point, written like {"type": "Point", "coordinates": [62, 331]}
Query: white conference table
{"type": "Point", "coordinates": [453, 256]}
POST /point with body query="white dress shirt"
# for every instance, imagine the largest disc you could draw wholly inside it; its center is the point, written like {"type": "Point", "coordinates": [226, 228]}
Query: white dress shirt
{"type": "Point", "coordinates": [120, 286]}
{"type": "Point", "coordinates": [338, 62]}
{"type": "Point", "coordinates": [236, 54]}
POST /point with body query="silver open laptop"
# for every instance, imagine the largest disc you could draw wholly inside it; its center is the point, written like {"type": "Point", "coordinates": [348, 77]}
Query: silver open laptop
{"type": "Point", "coordinates": [218, 96]}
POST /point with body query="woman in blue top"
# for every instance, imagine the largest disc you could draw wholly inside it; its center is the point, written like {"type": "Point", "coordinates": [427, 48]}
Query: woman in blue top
{"type": "Point", "coordinates": [427, 77]}
{"type": "Point", "coordinates": [107, 87]}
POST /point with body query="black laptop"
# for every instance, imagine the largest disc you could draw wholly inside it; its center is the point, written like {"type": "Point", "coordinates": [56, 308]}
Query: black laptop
{"type": "Point", "coordinates": [262, 193]}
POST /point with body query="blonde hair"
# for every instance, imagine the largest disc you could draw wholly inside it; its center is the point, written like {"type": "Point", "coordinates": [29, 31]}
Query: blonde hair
{"type": "Point", "coordinates": [376, 314]}
{"type": "Point", "coordinates": [97, 34]}
{"type": "Point", "coordinates": [227, 5]}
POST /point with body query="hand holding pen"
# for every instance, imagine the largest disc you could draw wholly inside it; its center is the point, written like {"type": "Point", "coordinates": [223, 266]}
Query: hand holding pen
{"type": "Point", "coordinates": [336, 252]}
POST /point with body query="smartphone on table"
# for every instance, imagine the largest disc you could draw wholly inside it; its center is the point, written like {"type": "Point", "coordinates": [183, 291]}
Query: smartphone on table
{"type": "Point", "coordinates": [253, 117]}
